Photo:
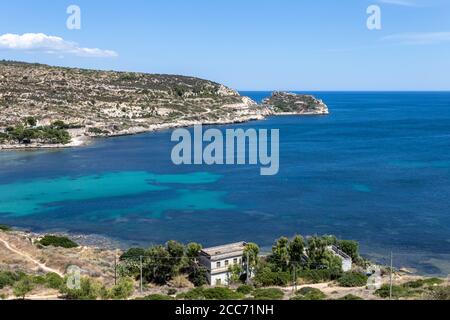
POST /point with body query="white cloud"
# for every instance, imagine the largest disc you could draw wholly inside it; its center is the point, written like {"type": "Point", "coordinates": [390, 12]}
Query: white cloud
{"type": "Point", "coordinates": [40, 42]}
{"type": "Point", "coordinates": [404, 3]}
{"type": "Point", "coordinates": [420, 38]}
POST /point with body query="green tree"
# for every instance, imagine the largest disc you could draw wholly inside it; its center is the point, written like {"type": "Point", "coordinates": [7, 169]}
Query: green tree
{"type": "Point", "coordinates": [352, 279]}
{"type": "Point", "coordinates": [280, 254]}
{"type": "Point", "coordinates": [265, 276]}
{"type": "Point", "coordinates": [159, 266]}
{"type": "Point", "coordinates": [193, 250]}
{"type": "Point", "coordinates": [133, 254]}
{"type": "Point", "coordinates": [319, 257]}
{"type": "Point", "coordinates": [296, 249]}
{"type": "Point", "coordinates": [23, 287]}
{"type": "Point", "coordinates": [235, 272]}
{"type": "Point", "coordinates": [350, 247]}
{"type": "Point", "coordinates": [198, 276]}
{"type": "Point", "coordinates": [176, 252]}
{"type": "Point", "coordinates": [251, 251]}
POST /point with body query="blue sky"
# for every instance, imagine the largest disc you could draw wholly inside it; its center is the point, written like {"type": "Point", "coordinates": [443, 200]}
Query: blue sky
{"type": "Point", "coordinates": [246, 44]}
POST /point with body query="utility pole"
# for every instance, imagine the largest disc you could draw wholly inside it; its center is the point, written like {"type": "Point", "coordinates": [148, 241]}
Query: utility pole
{"type": "Point", "coordinates": [115, 268]}
{"type": "Point", "coordinates": [392, 276]}
{"type": "Point", "coordinates": [248, 268]}
{"type": "Point", "coordinates": [141, 284]}
{"type": "Point", "coordinates": [295, 278]}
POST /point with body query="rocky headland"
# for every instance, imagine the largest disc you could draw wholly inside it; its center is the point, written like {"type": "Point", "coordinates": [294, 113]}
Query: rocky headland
{"type": "Point", "coordinates": [291, 104]}
{"type": "Point", "coordinates": [52, 107]}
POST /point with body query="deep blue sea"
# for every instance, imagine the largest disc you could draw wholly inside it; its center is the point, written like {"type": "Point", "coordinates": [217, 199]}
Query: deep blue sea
{"type": "Point", "coordinates": [376, 170]}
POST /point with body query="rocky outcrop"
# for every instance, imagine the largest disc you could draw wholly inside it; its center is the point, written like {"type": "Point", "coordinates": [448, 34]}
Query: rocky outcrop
{"type": "Point", "coordinates": [290, 103]}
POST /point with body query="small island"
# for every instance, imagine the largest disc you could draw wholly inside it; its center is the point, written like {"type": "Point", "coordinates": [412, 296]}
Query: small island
{"type": "Point", "coordinates": [284, 103]}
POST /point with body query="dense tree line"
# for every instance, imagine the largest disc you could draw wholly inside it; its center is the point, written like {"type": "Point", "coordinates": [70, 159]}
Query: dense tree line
{"type": "Point", "coordinates": [28, 132]}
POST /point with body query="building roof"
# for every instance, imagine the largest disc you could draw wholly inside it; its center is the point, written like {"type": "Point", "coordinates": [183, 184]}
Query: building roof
{"type": "Point", "coordinates": [225, 249]}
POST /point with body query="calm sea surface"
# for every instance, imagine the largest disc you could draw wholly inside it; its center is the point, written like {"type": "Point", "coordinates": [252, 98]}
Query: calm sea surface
{"type": "Point", "coordinates": [376, 170]}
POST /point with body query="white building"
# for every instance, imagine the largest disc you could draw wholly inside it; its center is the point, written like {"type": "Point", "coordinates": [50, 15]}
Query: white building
{"type": "Point", "coordinates": [217, 261]}
{"type": "Point", "coordinates": [347, 262]}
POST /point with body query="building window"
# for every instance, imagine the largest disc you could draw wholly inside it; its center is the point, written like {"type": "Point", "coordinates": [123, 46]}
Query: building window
{"type": "Point", "coordinates": [218, 281]}
{"type": "Point", "coordinates": [235, 261]}
{"type": "Point", "coordinates": [227, 263]}
{"type": "Point", "coordinates": [218, 264]}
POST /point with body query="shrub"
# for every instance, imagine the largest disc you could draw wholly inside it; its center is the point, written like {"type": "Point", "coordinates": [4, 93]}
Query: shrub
{"type": "Point", "coordinates": [180, 281]}
{"type": "Point", "coordinates": [397, 292]}
{"type": "Point", "coordinates": [318, 276]}
{"type": "Point", "coordinates": [211, 294]}
{"type": "Point", "coordinates": [307, 290]}
{"type": "Point", "coordinates": [422, 283]}
{"type": "Point", "coordinates": [23, 287]}
{"type": "Point", "coordinates": [440, 293]}
{"type": "Point", "coordinates": [198, 276]}
{"type": "Point", "coordinates": [156, 297]}
{"type": "Point", "coordinates": [89, 290]}
{"type": "Point", "coordinates": [412, 288]}
{"type": "Point", "coordinates": [350, 297]}
{"type": "Point", "coordinates": [59, 124]}
{"type": "Point", "coordinates": [53, 281]}
{"type": "Point", "coordinates": [171, 292]}
{"type": "Point", "coordinates": [5, 228]}
{"type": "Point", "coordinates": [3, 137]}
{"type": "Point", "coordinates": [352, 279]}
{"type": "Point", "coordinates": [38, 280]}
{"type": "Point", "coordinates": [245, 289]}
{"type": "Point", "coordinates": [350, 247]}
{"type": "Point", "coordinates": [268, 294]}
{"type": "Point", "coordinates": [221, 294]}
{"type": "Point", "coordinates": [123, 290]}
{"type": "Point", "coordinates": [194, 294]}
{"type": "Point", "coordinates": [31, 121]}
{"type": "Point", "coordinates": [133, 254]}
{"type": "Point", "coordinates": [309, 293]}
{"type": "Point", "coordinates": [57, 241]}
{"type": "Point", "coordinates": [266, 277]}
{"type": "Point", "coordinates": [7, 279]}
{"type": "Point", "coordinates": [97, 131]}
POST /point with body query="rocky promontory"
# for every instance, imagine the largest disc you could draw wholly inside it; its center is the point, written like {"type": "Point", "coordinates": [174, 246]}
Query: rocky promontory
{"type": "Point", "coordinates": [52, 107]}
{"type": "Point", "coordinates": [290, 103]}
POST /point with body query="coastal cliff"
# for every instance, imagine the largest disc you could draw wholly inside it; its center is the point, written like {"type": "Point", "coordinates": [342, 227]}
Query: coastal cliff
{"type": "Point", "coordinates": [50, 107]}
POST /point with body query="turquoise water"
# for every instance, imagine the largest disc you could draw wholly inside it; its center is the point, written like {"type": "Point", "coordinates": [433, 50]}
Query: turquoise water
{"type": "Point", "coordinates": [376, 170]}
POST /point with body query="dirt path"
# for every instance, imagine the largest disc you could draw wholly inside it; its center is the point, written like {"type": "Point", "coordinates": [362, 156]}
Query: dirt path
{"type": "Point", "coordinates": [29, 258]}
{"type": "Point", "coordinates": [333, 291]}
